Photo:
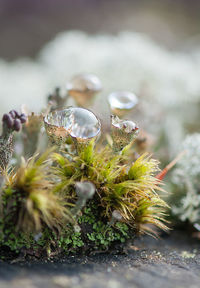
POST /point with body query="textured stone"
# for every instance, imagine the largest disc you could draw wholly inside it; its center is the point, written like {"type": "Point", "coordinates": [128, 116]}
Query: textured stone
{"type": "Point", "coordinates": [149, 263]}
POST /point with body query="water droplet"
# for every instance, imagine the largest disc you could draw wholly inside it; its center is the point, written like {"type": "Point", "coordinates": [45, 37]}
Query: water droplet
{"type": "Point", "coordinates": [78, 123]}
{"type": "Point", "coordinates": [57, 125]}
{"type": "Point", "coordinates": [122, 101]}
{"type": "Point", "coordinates": [83, 124]}
{"type": "Point", "coordinates": [122, 132]}
{"type": "Point", "coordinates": [83, 87]}
{"type": "Point", "coordinates": [126, 125]}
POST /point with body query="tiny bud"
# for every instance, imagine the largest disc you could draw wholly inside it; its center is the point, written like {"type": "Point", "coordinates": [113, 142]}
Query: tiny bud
{"type": "Point", "coordinates": [5, 117]}
{"type": "Point", "coordinates": [23, 118]}
{"type": "Point", "coordinates": [17, 114]}
{"type": "Point", "coordinates": [17, 125]}
{"type": "Point", "coordinates": [13, 114]}
{"type": "Point", "coordinates": [8, 120]}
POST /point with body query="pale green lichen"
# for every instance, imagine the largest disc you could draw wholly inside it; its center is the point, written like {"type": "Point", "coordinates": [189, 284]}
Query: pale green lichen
{"type": "Point", "coordinates": [186, 182]}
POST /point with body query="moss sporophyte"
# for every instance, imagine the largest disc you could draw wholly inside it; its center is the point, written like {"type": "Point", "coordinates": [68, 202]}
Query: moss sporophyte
{"type": "Point", "coordinates": [79, 197]}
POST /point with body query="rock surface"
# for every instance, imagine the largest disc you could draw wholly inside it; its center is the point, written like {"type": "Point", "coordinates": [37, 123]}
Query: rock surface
{"type": "Point", "coordinates": [172, 261]}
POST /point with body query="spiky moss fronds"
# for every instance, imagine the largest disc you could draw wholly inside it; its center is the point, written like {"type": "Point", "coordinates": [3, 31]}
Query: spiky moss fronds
{"type": "Point", "coordinates": [185, 182]}
{"type": "Point", "coordinates": [39, 196]}
{"type": "Point", "coordinates": [29, 203]}
{"type": "Point", "coordinates": [130, 189]}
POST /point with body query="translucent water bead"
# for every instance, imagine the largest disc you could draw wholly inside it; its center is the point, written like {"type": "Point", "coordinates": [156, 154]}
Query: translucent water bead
{"type": "Point", "coordinates": [83, 124]}
{"type": "Point", "coordinates": [83, 88]}
{"type": "Point", "coordinates": [78, 123]}
{"type": "Point", "coordinates": [122, 132]}
{"type": "Point", "coordinates": [121, 102]}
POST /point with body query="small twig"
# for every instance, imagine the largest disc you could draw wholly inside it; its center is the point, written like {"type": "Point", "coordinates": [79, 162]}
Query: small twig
{"type": "Point", "coordinates": [163, 173]}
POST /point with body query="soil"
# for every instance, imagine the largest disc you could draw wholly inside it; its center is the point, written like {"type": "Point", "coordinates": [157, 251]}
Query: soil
{"type": "Point", "coordinates": [172, 261]}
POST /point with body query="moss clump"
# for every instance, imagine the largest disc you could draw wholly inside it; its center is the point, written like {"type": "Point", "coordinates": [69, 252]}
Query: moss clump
{"type": "Point", "coordinates": [28, 204]}
{"type": "Point", "coordinates": [94, 235]}
{"type": "Point", "coordinates": [39, 200]}
{"type": "Point", "coordinates": [129, 188]}
{"type": "Point", "coordinates": [98, 234]}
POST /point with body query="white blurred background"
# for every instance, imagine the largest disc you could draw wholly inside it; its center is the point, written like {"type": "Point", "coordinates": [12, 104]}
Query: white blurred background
{"type": "Point", "coordinates": [149, 47]}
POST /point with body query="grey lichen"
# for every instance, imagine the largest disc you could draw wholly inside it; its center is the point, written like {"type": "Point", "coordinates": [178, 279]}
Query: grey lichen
{"type": "Point", "coordinates": [186, 182]}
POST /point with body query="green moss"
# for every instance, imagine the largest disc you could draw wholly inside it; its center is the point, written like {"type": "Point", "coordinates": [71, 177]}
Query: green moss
{"type": "Point", "coordinates": [39, 199]}
{"type": "Point", "coordinates": [130, 188]}
{"type": "Point", "coordinates": [102, 235]}
{"type": "Point", "coordinates": [94, 235]}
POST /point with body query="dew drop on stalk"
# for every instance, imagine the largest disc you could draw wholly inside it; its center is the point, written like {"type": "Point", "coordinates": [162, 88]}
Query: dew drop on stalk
{"type": "Point", "coordinates": [83, 88]}
{"type": "Point", "coordinates": [123, 132]}
{"type": "Point", "coordinates": [122, 102]}
{"type": "Point", "coordinates": [78, 123]}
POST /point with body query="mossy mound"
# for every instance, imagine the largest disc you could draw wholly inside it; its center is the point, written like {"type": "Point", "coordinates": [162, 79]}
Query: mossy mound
{"type": "Point", "coordinates": [40, 197]}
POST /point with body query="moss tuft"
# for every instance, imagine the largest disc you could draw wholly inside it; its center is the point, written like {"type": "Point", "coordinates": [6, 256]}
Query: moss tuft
{"type": "Point", "coordinates": [39, 201]}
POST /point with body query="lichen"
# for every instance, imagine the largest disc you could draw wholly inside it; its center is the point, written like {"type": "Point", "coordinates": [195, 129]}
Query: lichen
{"type": "Point", "coordinates": [185, 184]}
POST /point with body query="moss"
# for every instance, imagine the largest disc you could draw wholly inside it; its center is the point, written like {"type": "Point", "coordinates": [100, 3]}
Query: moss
{"type": "Point", "coordinates": [102, 235]}
{"type": "Point", "coordinates": [130, 188]}
{"type": "Point", "coordinates": [39, 198]}
{"type": "Point", "coordinates": [94, 235]}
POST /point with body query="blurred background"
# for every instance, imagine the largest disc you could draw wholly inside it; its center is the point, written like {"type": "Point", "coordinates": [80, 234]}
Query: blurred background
{"type": "Point", "coordinates": [149, 47]}
{"type": "Point", "coordinates": [26, 26]}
